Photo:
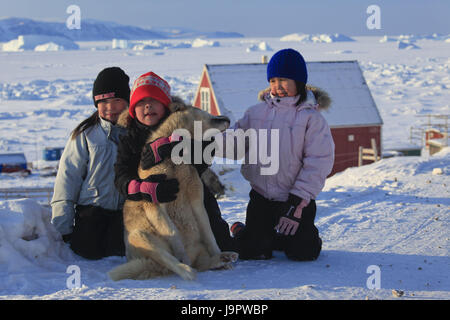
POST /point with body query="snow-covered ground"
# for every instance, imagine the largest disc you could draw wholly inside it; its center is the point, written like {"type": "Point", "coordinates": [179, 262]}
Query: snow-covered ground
{"type": "Point", "coordinates": [393, 214]}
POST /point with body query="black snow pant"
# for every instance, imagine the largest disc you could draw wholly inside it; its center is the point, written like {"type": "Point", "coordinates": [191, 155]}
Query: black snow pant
{"type": "Point", "coordinates": [219, 226]}
{"type": "Point", "coordinates": [259, 238]}
{"type": "Point", "coordinates": [97, 232]}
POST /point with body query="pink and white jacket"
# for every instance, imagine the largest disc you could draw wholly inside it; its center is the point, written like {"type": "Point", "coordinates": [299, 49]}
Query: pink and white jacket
{"type": "Point", "coordinates": [305, 144]}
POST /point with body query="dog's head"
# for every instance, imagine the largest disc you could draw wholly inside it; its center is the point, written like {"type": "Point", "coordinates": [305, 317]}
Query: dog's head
{"type": "Point", "coordinates": [189, 118]}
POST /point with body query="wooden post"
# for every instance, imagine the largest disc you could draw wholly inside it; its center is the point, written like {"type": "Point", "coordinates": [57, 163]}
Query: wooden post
{"type": "Point", "coordinates": [360, 156]}
{"type": "Point", "coordinates": [374, 148]}
{"type": "Point", "coordinates": [368, 154]}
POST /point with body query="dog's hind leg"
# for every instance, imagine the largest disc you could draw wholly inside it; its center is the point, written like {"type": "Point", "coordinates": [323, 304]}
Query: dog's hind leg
{"type": "Point", "coordinates": [203, 259]}
{"type": "Point", "coordinates": [138, 269]}
{"type": "Point", "coordinates": [147, 246]}
{"type": "Point", "coordinates": [159, 219]}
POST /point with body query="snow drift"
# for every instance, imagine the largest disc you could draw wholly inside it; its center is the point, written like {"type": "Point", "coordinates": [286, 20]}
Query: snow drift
{"type": "Point", "coordinates": [27, 239]}
{"type": "Point", "coordinates": [74, 90]}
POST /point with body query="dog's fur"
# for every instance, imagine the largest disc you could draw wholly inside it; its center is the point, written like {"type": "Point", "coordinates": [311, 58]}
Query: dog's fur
{"type": "Point", "coordinates": [172, 237]}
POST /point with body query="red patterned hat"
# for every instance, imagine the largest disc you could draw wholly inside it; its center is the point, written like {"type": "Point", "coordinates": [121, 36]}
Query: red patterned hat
{"type": "Point", "coordinates": [149, 85]}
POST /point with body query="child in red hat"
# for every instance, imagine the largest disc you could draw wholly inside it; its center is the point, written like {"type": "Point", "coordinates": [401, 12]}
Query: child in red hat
{"type": "Point", "coordinates": [149, 100]}
{"type": "Point", "coordinates": [152, 92]}
{"type": "Point", "coordinates": [149, 106]}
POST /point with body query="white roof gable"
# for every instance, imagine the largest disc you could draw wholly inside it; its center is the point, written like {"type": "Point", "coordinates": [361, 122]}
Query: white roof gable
{"type": "Point", "coordinates": [236, 87]}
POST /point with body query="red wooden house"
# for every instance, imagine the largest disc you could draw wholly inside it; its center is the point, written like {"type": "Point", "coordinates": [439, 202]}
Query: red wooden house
{"type": "Point", "coordinates": [229, 89]}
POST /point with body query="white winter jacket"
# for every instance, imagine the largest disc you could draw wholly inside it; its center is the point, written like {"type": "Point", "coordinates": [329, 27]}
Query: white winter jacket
{"type": "Point", "coordinates": [86, 174]}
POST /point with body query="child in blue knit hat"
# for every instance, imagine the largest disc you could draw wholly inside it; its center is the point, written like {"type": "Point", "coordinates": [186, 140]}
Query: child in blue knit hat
{"type": "Point", "coordinates": [282, 209]}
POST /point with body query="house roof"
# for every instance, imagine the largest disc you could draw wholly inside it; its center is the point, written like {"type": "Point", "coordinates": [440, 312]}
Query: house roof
{"type": "Point", "coordinates": [12, 158]}
{"type": "Point", "coordinates": [236, 88]}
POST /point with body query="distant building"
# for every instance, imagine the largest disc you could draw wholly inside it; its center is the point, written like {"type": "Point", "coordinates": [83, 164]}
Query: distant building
{"type": "Point", "coordinates": [12, 162]}
{"type": "Point", "coordinates": [436, 140]}
{"type": "Point", "coordinates": [229, 89]}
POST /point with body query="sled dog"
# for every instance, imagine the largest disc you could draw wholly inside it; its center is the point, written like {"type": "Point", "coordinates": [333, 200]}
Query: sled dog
{"type": "Point", "coordinates": [173, 237]}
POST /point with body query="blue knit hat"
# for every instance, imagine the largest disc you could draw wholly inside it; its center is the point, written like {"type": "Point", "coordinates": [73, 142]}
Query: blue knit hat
{"type": "Point", "coordinates": [287, 63]}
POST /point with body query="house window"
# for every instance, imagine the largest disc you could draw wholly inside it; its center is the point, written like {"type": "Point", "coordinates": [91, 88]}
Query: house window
{"type": "Point", "coordinates": [351, 137]}
{"type": "Point", "coordinates": [205, 101]}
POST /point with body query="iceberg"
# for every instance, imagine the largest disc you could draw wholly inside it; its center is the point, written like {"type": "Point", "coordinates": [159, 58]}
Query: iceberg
{"type": "Point", "coordinates": [32, 41]}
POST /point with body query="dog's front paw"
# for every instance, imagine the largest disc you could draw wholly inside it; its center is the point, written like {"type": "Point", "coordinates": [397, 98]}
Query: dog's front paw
{"type": "Point", "coordinates": [186, 272]}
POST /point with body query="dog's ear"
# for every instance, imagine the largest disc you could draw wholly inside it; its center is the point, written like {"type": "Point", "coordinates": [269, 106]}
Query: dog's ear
{"type": "Point", "coordinates": [177, 105]}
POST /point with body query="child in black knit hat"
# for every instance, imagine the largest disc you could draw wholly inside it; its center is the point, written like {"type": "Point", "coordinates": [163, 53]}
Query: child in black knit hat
{"type": "Point", "coordinates": [86, 207]}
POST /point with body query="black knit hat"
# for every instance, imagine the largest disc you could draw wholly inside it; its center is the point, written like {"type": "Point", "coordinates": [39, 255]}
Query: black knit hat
{"type": "Point", "coordinates": [111, 83]}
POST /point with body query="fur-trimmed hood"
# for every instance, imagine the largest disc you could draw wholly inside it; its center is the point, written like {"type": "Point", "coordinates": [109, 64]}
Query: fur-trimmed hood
{"type": "Point", "coordinates": [322, 98]}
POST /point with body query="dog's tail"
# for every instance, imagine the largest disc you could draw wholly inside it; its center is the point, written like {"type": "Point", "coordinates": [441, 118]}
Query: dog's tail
{"type": "Point", "coordinates": [146, 268]}
{"type": "Point", "coordinates": [130, 270]}
{"type": "Point", "coordinates": [138, 269]}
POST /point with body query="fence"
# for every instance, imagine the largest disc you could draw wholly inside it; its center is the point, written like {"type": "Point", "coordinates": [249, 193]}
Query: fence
{"type": "Point", "coordinates": [18, 193]}
{"type": "Point", "coordinates": [432, 121]}
{"type": "Point", "coordinates": [368, 153]}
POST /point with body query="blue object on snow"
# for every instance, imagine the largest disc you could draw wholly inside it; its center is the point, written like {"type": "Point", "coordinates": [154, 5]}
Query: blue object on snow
{"type": "Point", "coordinates": [52, 154]}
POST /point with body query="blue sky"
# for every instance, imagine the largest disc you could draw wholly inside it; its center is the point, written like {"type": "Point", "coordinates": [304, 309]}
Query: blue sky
{"type": "Point", "coordinates": [250, 17]}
